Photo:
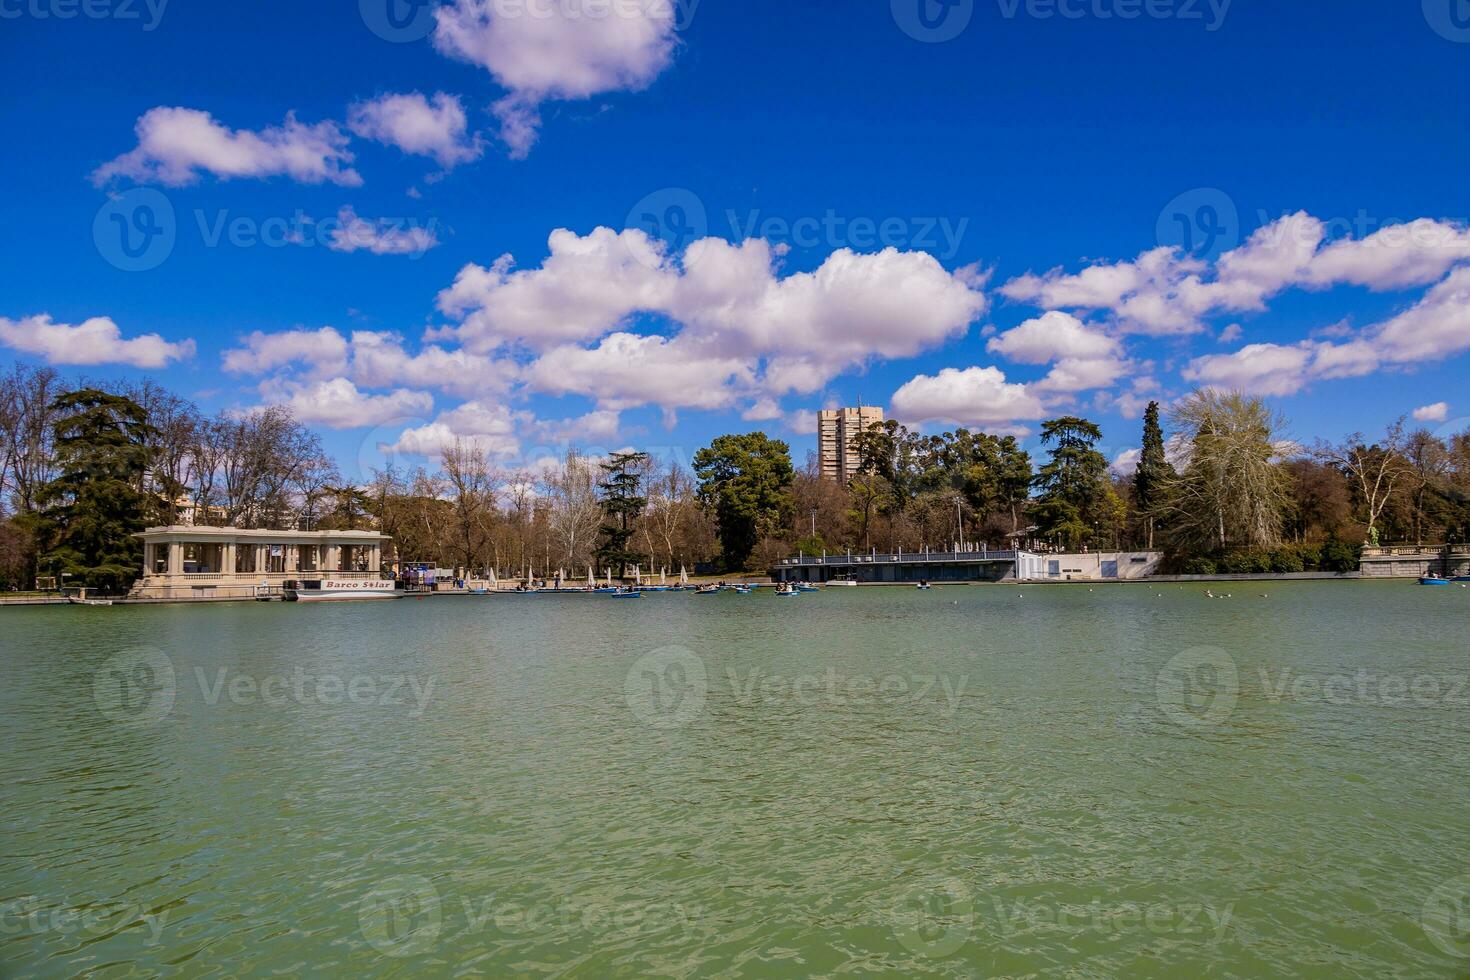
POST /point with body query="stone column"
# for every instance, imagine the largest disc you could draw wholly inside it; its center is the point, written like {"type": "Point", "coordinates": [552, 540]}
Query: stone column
{"type": "Point", "coordinates": [227, 560]}
{"type": "Point", "coordinates": [175, 558]}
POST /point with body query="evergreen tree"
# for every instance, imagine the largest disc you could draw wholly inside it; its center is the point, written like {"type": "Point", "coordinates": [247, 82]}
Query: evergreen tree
{"type": "Point", "coordinates": [622, 503]}
{"type": "Point", "coordinates": [1154, 471]}
{"type": "Point", "coordinates": [93, 507]}
{"type": "Point", "coordinates": [1074, 483]}
{"type": "Point", "coordinates": [746, 480]}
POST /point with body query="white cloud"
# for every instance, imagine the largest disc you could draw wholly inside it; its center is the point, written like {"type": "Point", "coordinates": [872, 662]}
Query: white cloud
{"type": "Point", "coordinates": [1438, 326]}
{"type": "Point", "coordinates": [1126, 462]}
{"type": "Point", "coordinates": [1437, 412]}
{"type": "Point", "coordinates": [1230, 334]}
{"type": "Point", "coordinates": [176, 145]}
{"type": "Point", "coordinates": [490, 426]}
{"type": "Point", "coordinates": [337, 403]}
{"type": "Point", "coordinates": [1073, 374]}
{"type": "Point", "coordinates": [762, 410]}
{"type": "Point", "coordinates": [808, 326]}
{"type": "Point", "coordinates": [380, 360]}
{"type": "Point", "coordinates": [323, 351]}
{"type": "Point", "coordinates": [435, 128]}
{"type": "Point", "coordinates": [1260, 369]}
{"type": "Point", "coordinates": [1396, 257]}
{"type": "Point", "coordinates": [978, 396]}
{"type": "Point", "coordinates": [540, 51]}
{"type": "Point", "coordinates": [626, 370]}
{"type": "Point", "coordinates": [381, 237]}
{"type": "Point", "coordinates": [97, 340]}
{"type": "Point", "coordinates": [585, 288]}
{"type": "Point", "coordinates": [1051, 336]}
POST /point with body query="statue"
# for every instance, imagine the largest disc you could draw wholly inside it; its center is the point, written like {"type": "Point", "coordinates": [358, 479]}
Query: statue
{"type": "Point", "coordinates": [1373, 536]}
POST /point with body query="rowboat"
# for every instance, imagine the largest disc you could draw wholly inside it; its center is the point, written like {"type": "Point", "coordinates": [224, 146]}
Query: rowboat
{"type": "Point", "coordinates": [1433, 580]}
{"type": "Point", "coordinates": [88, 602]}
{"type": "Point", "coordinates": [627, 595]}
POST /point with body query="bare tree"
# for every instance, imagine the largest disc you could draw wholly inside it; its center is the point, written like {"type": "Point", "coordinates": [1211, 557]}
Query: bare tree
{"type": "Point", "coordinates": [1231, 490]}
{"type": "Point", "coordinates": [27, 457]}
{"type": "Point", "coordinates": [1375, 470]}
{"type": "Point", "coordinates": [574, 513]}
{"type": "Point", "coordinates": [472, 495]}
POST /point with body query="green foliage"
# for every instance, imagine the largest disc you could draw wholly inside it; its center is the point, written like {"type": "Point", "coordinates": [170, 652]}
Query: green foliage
{"type": "Point", "coordinates": [1287, 560]}
{"type": "Point", "coordinates": [1200, 566]}
{"type": "Point", "coordinates": [1074, 485]}
{"type": "Point", "coordinates": [622, 502]}
{"type": "Point", "coordinates": [811, 546]}
{"type": "Point", "coordinates": [92, 509]}
{"type": "Point", "coordinates": [746, 480]}
{"type": "Point", "coordinates": [1339, 556]}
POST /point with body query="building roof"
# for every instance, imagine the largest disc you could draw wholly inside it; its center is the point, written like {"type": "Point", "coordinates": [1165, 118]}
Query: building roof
{"type": "Point", "coordinates": [185, 532]}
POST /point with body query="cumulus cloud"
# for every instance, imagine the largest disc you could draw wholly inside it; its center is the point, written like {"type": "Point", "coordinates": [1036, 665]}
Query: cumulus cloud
{"type": "Point", "coordinates": [625, 370]}
{"type": "Point", "coordinates": [337, 403]}
{"type": "Point", "coordinates": [541, 51]}
{"type": "Point", "coordinates": [433, 127]}
{"type": "Point", "coordinates": [323, 351]}
{"type": "Point", "coordinates": [1416, 253]}
{"type": "Point", "coordinates": [1438, 326]}
{"type": "Point", "coordinates": [585, 288]}
{"type": "Point", "coordinates": [978, 396]}
{"type": "Point", "coordinates": [97, 340]}
{"type": "Point", "coordinates": [381, 237]}
{"type": "Point", "coordinates": [1052, 336]}
{"type": "Point", "coordinates": [491, 427]}
{"type": "Point", "coordinates": [1261, 369]}
{"type": "Point", "coordinates": [177, 145]}
{"type": "Point", "coordinates": [1437, 412]}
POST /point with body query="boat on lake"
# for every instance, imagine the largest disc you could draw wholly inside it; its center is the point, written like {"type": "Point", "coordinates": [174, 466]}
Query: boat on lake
{"type": "Point", "coordinates": [339, 590]}
{"type": "Point", "coordinates": [1433, 580]}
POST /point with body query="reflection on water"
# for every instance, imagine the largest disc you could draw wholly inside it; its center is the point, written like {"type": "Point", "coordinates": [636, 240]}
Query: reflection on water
{"type": "Point", "coordinates": [967, 782]}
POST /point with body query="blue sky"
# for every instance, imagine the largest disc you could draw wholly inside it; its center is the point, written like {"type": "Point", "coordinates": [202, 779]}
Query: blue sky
{"type": "Point", "coordinates": [975, 230]}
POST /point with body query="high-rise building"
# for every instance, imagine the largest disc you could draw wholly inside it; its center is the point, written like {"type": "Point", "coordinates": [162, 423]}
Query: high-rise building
{"type": "Point", "coordinates": [837, 429]}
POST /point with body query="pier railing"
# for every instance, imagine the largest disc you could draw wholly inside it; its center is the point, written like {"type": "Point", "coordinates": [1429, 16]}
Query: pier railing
{"type": "Point", "coordinates": [901, 557]}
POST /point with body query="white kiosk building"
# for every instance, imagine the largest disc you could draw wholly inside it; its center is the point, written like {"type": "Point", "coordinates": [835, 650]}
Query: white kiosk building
{"type": "Point", "coordinates": [185, 562]}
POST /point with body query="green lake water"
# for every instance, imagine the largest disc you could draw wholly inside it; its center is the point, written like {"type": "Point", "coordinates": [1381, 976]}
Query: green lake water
{"type": "Point", "coordinates": [971, 781]}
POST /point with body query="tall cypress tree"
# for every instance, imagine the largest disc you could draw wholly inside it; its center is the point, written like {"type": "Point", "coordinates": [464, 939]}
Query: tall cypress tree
{"type": "Point", "coordinates": [1154, 471]}
{"type": "Point", "coordinates": [622, 502]}
{"type": "Point", "coordinates": [92, 509]}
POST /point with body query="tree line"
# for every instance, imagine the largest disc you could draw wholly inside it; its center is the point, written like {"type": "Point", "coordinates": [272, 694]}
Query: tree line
{"type": "Point", "coordinates": [1217, 484]}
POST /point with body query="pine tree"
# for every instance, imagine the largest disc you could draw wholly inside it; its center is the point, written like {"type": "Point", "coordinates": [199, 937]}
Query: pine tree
{"type": "Point", "coordinates": [1074, 483]}
{"type": "Point", "coordinates": [1154, 471]}
{"type": "Point", "coordinates": [622, 503]}
{"type": "Point", "coordinates": [92, 509]}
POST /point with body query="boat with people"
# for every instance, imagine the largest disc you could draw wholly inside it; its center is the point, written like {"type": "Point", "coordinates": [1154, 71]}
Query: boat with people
{"type": "Point", "coordinates": [787, 590]}
{"type": "Point", "coordinates": [924, 584]}
{"type": "Point", "coordinates": [1433, 580]}
{"type": "Point", "coordinates": [627, 594]}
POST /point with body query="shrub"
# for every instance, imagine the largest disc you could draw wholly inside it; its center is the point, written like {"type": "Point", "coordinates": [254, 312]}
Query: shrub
{"type": "Point", "coordinates": [1287, 560]}
{"type": "Point", "coordinates": [1200, 566]}
{"type": "Point", "coordinates": [1339, 556]}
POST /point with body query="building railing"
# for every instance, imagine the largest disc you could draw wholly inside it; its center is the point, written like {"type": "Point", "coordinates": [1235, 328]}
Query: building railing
{"type": "Point", "coordinates": [1420, 551]}
{"type": "Point", "coordinates": [917, 557]}
{"type": "Point", "coordinates": [254, 577]}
